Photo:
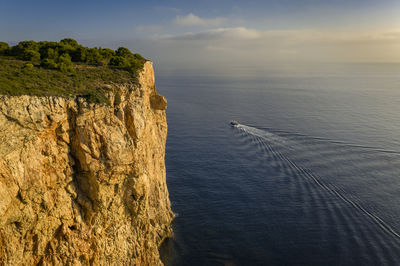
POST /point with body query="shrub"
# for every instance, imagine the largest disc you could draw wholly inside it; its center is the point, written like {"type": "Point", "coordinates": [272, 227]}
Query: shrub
{"type": "Point", "coordinates": [49, 63]}
{"type": "Point", "coordinates": [28, 66]}
{"type": "Point", "coordinates": [64, 63]}
{"type": "Point", "coordinates": [117, 99]}
{"type": "Point", "coordinates": [96, 96]}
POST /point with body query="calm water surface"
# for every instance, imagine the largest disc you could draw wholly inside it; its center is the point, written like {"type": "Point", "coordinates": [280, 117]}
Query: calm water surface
{"type": "Point", "coordinates": [311, 176]}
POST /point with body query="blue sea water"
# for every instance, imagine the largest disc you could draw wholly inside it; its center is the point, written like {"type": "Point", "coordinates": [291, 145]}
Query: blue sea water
{"type": "Point", "coordinates": [311, 176]}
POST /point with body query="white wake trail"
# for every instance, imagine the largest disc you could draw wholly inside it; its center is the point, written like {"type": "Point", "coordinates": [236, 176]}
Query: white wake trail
{"type": "Point", "coordinates": [269, 137]}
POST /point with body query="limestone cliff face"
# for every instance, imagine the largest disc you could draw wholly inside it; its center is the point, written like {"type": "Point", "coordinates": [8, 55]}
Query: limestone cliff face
{"type": "Point", "coordinates": [84, 184]}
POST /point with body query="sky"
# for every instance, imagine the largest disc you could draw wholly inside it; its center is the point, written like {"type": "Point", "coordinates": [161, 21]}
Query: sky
{"type": "Point", "coordinates": [218, 33]}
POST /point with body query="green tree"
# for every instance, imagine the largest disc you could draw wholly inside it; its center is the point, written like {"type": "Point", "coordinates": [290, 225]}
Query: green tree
{"type": "Point", "coordinates": [30, 55]}
{"type": "Point", "coordinates": [70, 42]}
{"type": "Point", "coordinates": [4, 48]}
{"type": "Point", "coordinates": [80, 54]}
{"type": "Point", "coordinates": [124, 52]}
{"type": "Point", "coordinates": [93, 57]}
{"type": "Point", "coordinates": [49, 53]}
{"type": "Point", "coordinates": [59, 55]}
{"type": "Point", "coordinates": [44, 49]}
{"type": "Point", "coordinates": [19, 49]}
{"type": "Point", "coordinates": [135, 65]}
{"type": "Point", "coordinates": [68, 46]}
{"type": "Point", "coordinates": [107, 54]}
{"type": "Point", "coordinates": [139, 57]}
{"type": "Point", "coordinates": [119, 61]}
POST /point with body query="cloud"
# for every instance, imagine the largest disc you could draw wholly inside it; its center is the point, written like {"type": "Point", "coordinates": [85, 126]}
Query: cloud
{"type": "Point", "coordinates": [288, 38]}
{"type": "Point", "coordinates": [242, 44]}
{"type": "Point", "coordinates": [193, 20]}
{"type": "Point", "coordinates": [221, 48]}
{"type": "Point", "coordinates": [239, 33]}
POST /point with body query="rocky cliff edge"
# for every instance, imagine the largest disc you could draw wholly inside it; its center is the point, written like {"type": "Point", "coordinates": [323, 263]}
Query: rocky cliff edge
{"type": "Point", "coordinates": [84, 184]}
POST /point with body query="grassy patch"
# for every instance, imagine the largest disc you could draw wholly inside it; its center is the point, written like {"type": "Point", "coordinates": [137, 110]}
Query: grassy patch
{"type": "Point", "coordinates": [17, 77]}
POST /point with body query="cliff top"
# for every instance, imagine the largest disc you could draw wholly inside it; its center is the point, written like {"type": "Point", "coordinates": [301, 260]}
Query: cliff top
{"type": "Point", "coordinates": [65, 68]}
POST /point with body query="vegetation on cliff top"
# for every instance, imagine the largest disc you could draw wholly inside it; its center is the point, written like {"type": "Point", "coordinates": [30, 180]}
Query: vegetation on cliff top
{"type": "Point", "coordinates": [64, 68]}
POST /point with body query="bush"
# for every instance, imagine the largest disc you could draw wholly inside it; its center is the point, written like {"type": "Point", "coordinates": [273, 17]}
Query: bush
{"type": "Point", "coordinates": [117, 99]}
{"type": "Point", "coordinates": [28, 66]}
{"type": "Point", "coordinates": [64, 63]}
{"type": "Point", "coordinates": [49, 63]}
{"type": "Point", "coordinates": [96, 96]}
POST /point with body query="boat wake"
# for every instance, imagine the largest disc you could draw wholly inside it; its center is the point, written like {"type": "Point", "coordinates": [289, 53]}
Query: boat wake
{"type": "Point", "coordinates": [294, 157]}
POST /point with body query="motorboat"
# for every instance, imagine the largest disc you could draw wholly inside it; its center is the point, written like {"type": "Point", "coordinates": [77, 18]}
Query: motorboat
{"type": "Point", "coordinates": [234, 123]}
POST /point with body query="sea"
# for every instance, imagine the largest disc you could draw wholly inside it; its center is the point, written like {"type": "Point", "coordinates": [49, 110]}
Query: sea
{"type": "Point", "coordinates": [309, 176]}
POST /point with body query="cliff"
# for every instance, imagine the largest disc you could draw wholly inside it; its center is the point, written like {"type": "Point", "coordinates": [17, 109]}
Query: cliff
{"type": "Point", "coordinates": [81, 183]}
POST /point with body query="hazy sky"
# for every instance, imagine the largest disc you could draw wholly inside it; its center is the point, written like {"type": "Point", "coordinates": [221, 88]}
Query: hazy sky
{"type": "Point", "coordinates": [181, 33]}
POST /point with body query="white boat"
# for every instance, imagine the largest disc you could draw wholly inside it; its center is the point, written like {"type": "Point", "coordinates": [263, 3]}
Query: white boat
{"type": "Point", "coordinates": [234, 123]}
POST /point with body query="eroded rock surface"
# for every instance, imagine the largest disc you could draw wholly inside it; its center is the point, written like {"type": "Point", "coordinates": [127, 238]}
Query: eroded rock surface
{"type": "Point", "coordinates": [84, 184]}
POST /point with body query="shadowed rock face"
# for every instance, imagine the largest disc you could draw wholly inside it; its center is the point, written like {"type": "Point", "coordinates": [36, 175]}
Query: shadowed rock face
{"type": "Point", "coordinates": [83, 183]}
